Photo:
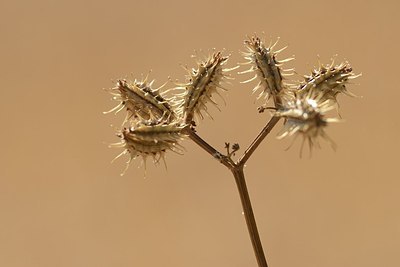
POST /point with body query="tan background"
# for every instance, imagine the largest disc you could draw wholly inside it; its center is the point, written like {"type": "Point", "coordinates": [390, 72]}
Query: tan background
{"type": "Point", "coordinates": [63, 204]}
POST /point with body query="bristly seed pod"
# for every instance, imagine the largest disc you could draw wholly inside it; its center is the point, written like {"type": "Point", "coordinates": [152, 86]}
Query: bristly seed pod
{"type": "Point", "coordinates": [268, 70]}
{"type": "Point", "coordinates": [142, 101]}
{"type": "Point", "coordinates": [201, 84]}
{"type": "Point", "coordinates": [307, 117]}
{"type": "Point", "coordinates": [328, 81]}
{"type": "Point", "coordinates": [150, 139]}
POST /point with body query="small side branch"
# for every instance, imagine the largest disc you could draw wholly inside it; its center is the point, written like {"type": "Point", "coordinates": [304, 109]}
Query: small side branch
{"type": "Point", "coordinates": [238, 173]}
{"type": "Point", "coordinates": [257, 141]}
{"type": "Point", "coordinates": [208, 148]}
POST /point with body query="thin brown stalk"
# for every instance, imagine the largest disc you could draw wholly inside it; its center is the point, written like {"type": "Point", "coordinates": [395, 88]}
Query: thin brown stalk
{"type": "Point", "coordinates": [208, 148]}
{"type": "Point", "coordinates": [257, 141]}
{"type": "Point", "coordinates": [249, 216]}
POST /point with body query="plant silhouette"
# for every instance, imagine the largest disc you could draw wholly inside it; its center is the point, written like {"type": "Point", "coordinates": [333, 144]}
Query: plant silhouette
{"type": "Point", "coordinates": [157, 119]}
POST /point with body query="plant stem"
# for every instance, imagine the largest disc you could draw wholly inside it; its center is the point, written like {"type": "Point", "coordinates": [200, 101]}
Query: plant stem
{"type": "Point", "coordinates": [238, 173]}
{"type": "Point", "coordinates": [208, 148]}
{"type": "Point", "coordinates": [249, 216]}
{"type": "Point", "coordinates": [257, 141]}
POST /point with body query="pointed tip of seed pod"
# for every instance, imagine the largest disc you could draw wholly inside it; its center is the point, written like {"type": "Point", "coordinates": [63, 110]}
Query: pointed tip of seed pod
{"type": "Point", "coordinates": [271, 47]}
{"type": "Point", "coordinates": [280, 50]}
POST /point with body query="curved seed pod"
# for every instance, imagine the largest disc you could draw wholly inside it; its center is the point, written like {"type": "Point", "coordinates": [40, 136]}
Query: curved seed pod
{"type": "Point", "coordinates": [268, 70]}
{"type": "Point", "coordinates": [142, 101]}
{"type": "Point", "coordinates": [327, 81]}
{"type": "Point", "coordinates": [144, 140]}
{"type": "Point", "coordinates": [202, 83]}
{"type": "Point", "coordinates": [306, 116]}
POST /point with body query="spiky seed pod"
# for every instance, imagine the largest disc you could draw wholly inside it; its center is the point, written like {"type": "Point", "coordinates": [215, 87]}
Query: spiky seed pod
{"type": "Point", "coordinates": [306, 116]}
{"type": "Point", "coordinates": [267, 69]}
{"type": "Point", "coordinates": [328, 81]}
{"type": "Point", "coordinates": [146, 139]}
{"type": "Point", "coordinates": [202, 84]}
{"type": "Point", "coordinates": [142, 101]}
{"type": "Point", "coordinates": [157, 132]}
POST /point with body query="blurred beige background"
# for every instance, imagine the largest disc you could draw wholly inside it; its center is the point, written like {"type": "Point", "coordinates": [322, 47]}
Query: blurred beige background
{"type": "Point", "coordinates": [63, 204]}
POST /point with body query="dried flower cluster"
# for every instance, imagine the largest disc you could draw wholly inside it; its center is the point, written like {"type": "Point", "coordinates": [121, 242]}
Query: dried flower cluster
{"type": "Point", "coordinates": [155, 123]}
{"type": "Point", "coordinates": [303, 105]}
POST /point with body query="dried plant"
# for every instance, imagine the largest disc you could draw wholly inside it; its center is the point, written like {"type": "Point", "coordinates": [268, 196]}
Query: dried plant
{"type": "Point", "coordinates": [156, 123]}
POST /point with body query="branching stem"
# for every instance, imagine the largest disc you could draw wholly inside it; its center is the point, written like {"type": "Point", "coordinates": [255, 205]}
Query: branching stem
{"type": "Point", "coordinates": [208, 148]}
{"type": "Point", "coordinates": [238, 173]}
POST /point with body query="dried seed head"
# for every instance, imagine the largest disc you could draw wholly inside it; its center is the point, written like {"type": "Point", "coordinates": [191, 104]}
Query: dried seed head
{"type": "Point", "coordinates": [306, 116]}
{"type": "Point", "coordinates": [152, 139]}
{"type": "Point", "coordinates": [142, 101]}
{"type": "Point", "coordinates": [327, 82]}
{"type": "Point", "coordinates": [202, 84]}
{"type": "Point", "coordinates": [267, 69]}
